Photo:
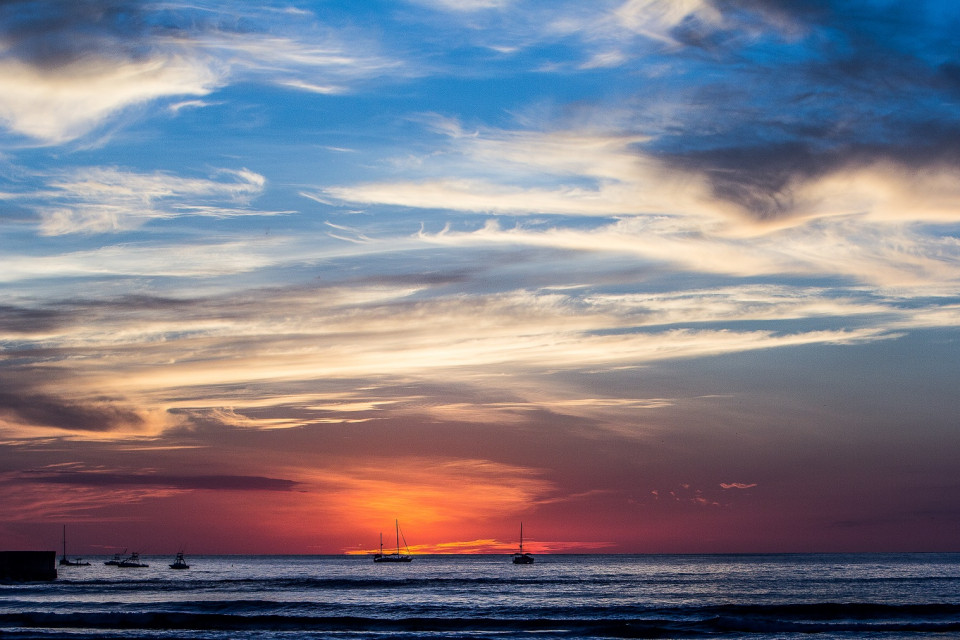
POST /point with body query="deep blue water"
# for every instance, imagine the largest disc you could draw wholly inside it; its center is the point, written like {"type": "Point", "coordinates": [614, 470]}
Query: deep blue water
{"type": "Point", "coordinates": [890, 596]}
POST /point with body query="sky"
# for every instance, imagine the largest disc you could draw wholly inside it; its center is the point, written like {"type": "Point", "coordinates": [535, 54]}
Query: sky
{"type": "Point", "coordinates": [647, 276]}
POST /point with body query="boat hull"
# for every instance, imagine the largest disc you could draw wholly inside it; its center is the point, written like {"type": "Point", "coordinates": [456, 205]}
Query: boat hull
{"type": "Point", "coordinates": [133, 562]}
{"type": "Point", "coordinates": [392, 559]}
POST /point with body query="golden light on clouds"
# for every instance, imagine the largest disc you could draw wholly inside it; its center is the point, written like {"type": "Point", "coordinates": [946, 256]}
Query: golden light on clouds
{"type": "Point", "coordinates": [431, 494]}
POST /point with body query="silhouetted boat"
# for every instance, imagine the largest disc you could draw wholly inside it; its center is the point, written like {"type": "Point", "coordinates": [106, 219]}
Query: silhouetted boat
{"type": "Point", "coordinates": [392, 557]}
{"type": "Point", "coordinates": [133, 562]}
{"type": "Point", "coordinates": [180, 563]}
{"type": "Point", "coordinates": [520, 557]}
{"type": "Point", "coordinates": [64, 561]}
{"type": "Point", "coordinates": [117, 559]}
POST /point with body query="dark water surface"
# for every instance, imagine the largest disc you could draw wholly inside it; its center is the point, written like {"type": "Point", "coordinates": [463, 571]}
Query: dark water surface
{"type": "Point", "coordinates": [890, 596]}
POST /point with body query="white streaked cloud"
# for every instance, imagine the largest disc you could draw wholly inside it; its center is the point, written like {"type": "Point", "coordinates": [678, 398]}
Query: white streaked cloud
{"type": "Point", "coordinates": [464, 6]}
{"type": "Point", "coordinates": [110, 199]}
{"type": "Point", "coordinates": [54, 104]}
{"type": "Point", "coordinates": [187, 355]}
{"type": "Point", "coordinates": [135, 259]}
{"type": "Point", "coordinates": [887, 256]}
{"type": "Point", "coordinates": [61, 104]}
{"type": "Point", "coordinates": [307, 61]}
{"type": "Point", "coordinates": [656, 19]}
{"type": "Point", "coordinates": [868, 222]}
{"type": "Point", "coordinates": [567, 173]}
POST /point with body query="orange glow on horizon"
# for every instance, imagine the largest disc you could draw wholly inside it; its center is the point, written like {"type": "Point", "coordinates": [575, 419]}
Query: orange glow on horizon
{"type": "Point", "coordinates": [492, 547]}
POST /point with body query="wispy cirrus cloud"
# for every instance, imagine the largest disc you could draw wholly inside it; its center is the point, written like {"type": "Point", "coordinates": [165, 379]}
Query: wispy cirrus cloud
{"type": "Point", "coordinates": [196, 361]}
{"type": "Point", "coordinates": [866, 220]}
{"type": "Point", "coordinates": [111, 199]}
{"type": "Point", "coordinates": [464, 5]}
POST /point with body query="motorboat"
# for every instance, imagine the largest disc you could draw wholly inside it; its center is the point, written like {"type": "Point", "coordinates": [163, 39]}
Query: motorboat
{"type": "Point", "coordinates": [133, 562]}
{"type": "Point", "coordinates": [180, 563]}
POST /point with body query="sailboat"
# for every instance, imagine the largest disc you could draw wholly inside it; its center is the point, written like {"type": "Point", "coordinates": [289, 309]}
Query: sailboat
{"type": "Point", "coordinates": [392, 557]}
{"type": "Point", "coordinates": [520, 557]}
{"type": "Point", "coordinates": [64, 561]}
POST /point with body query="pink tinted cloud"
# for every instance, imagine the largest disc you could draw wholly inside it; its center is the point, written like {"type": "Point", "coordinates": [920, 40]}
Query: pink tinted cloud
{"type": "Point", "coordinates": [737, 485]}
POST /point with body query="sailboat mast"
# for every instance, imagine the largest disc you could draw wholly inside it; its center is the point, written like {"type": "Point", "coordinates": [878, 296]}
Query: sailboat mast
{"type": "Point", "coordinates": [64, 541]}
{"type": "Point", "coordinates": [397, 524]}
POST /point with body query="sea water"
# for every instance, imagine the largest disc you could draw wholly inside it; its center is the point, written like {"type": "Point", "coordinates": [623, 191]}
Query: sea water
{"type": "Point", "coordinates": [890, 596]}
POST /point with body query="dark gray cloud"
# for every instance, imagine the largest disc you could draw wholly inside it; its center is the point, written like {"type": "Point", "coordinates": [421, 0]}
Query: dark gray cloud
{"type": "Point", "coordinates": [23, 402]}
{"type": "Point", "coordinates": [52, 411]}
{"type": "Point", "coordinates": [208, 482]}
{"type": "Point", "coordinates": [49, 33]}
{"type": "Point", "coordinates": [14, 319]}
{"type": "Point", "coordinates": [795, 89]}
{"type": "Point", "coordinates": [760, 178]}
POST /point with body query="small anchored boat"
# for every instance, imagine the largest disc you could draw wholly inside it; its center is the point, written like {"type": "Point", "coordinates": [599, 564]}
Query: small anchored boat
{"type": "Point", "coordinates": [66, 562]}
{"type": "Point", "coordinates": [520, 557]}
{"type": "Point", "coordinates": [180, 563]}
{"type": "Point", "coordinates": [393, 557]}
{"type": "Point", "coordinates": [133, 561]}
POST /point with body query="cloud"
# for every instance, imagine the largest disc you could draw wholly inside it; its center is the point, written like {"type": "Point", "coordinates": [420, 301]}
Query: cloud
{"type": "Point", "coordinates": [64, 71]}
{"type": "Point", "coordinates": [157, 260]}
{"type": "Point", "coordinates": [737, 485]}
{"type": "Point", "coordinates": [231, 358]}
{"type": "Point", "coordinates": [658, 19]}
{"type": "Point", "coordinates": [44, 410]}
{"type": "Point", "coordinates": [776, 210]}
{"type": "Point", "coordinates": [110, 199]}
{"type": "Point", "coordinates": [60, 105]}
{"type": "Point", "coordinates": [187, 483]}
{"type": "Point", "coordinates": [582, 173]}
{"type": "Point", "coordinates": [428, 490]}
{"type": "Point", "coordinates": [464, 6]}
{"type": "Point", "coordinates": [230, 361]}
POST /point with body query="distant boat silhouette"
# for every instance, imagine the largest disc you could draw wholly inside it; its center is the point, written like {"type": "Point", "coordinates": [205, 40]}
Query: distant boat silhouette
{"type": "Point", "coordinates": [392, 557]}
{"type": "Point", "coordinates": [64, 561]}
{"type": "Point", "coordinates": [132, 562]}
{"type": "Point", "coordinates": [520, 557]}
{"type": "Point", "coordinates": [180, 563]}
{"type": "Point", "coordinates": [117, 559]}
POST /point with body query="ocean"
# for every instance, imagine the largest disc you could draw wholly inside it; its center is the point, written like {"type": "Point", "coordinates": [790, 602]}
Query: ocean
{"type": "Point", "coordinates": [889, 596]}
